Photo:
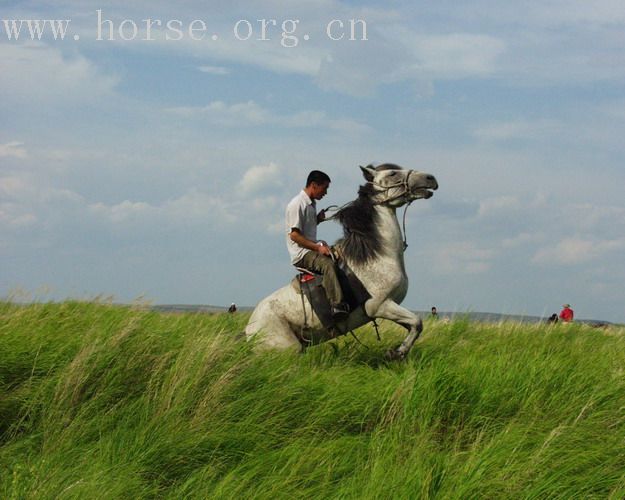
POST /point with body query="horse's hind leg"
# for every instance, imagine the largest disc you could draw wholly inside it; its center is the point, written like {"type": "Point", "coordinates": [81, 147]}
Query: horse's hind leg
{"type": "Point", "coordinates": [389, 309]}
{"type": "Point", "coordinates": [272, 333]}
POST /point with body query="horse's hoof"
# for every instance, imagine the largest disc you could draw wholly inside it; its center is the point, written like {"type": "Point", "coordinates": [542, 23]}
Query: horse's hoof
{"type": "Point", "coordinates": [395, 355]}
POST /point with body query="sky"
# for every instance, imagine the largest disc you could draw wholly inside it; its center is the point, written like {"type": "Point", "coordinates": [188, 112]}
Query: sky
{"type": "Point", "coordinates": [155, 164]}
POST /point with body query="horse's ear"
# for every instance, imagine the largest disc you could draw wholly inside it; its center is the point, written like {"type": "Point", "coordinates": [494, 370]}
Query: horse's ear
{"type": "Point", "coordinates": [368, 173]}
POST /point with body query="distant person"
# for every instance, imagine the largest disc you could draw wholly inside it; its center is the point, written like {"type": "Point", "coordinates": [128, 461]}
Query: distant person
{"type": "Point", "coordinates": [434, 313]}
{"type": "Point", "coordinates": [233, 308]}
{"type": "Point", "coordinates": [553, 318]}
{"type": "Point", "coordinates": [566, 314]}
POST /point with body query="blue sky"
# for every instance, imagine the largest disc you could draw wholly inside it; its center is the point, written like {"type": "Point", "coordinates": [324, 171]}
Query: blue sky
{"type": "Point", "coordinates": [161, 168]}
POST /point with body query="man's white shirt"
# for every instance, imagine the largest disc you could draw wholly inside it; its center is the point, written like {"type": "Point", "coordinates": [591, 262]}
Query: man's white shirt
{"type": "Point", "coordinates": [301, 213]}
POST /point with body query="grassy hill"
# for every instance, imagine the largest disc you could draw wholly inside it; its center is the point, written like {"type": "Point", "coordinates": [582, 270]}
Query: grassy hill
{"type": "Point", "coordinates": [103, 401]}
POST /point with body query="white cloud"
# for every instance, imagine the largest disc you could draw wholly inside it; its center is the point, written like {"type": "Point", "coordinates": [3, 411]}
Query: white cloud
{"type": "Point", "coordinates": [269, 54]}
{"type": "Point", "coordinates": [319, 119]}
{"type": "Point", "coordinates": [572, 12]}
{"type": "Point", "coordinates": [571, 251]}
{"type": "Point", "coordinates": [28, 191]}
{"type": "Point", "coordinates": [520, 129]}
{"type": "Point", "coordinates": [8, 218]}
{"type": "Point", "coordinates": [542, 43]}
{"type": "Point", "coordinates": [590, 216]}
{"type": "Point", "coordinates": [498, 205]}
{"type": "Point", "coordinates": [234, 115]}
{"type": "Point", "coordinates": [25, 200]}
{"type": "Point", "coordinates": [192, 207]}
{"type": "Point", "coordinates": [12, 212]}
{"type": "Point", "coordinates": [12, 186]}
{"type": "Point", "coordinates": [201, 206]}
{"type": "Point", "coordinates": [397, 53]}
{"type": "Point", "coordinates": [276, 227]}
{"type": "Point", "coordinates": [197, 207]}
{"type": "Point", "coordinates": [249, 114]}
{"type": "Point", "coordinates": [13, 149]}
{"type": "Point", "coordinates": [36, 73]}
{"type": "Point", "coordinates": [536, 14]}
{"type": "Point", "coordinates": [214, 70]}
{"type": "Point", "coordinates": [463, 257]}
{"type": "Point", "coordinates": [260, 177]}
{"type": "Point", "coordinates": [357, 70]}
{"type": "Point", "coordinates": [350, 127]}
{"type": "Point", "coordinates": [521, 239]}
{"type": "Point", "coordinates": [124, 211]}
{"type": "Point", "coordinates": [458, 55]}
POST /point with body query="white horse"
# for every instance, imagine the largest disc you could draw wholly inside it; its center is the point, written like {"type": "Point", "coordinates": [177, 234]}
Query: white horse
{"type": "Point", "coordinates": [374, 249]}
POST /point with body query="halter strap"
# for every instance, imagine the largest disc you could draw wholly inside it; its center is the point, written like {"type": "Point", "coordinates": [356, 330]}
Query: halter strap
{"type": "Point", "coordinates": [385, 189]}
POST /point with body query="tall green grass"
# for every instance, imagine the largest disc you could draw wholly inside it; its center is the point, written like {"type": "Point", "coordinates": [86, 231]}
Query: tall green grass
{"type": "Point", "coordinates": [102, 401]}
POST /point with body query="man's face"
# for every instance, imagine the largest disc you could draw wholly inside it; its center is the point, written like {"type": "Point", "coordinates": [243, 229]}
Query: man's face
{"type": "Point", "coordinates": [319, 190]}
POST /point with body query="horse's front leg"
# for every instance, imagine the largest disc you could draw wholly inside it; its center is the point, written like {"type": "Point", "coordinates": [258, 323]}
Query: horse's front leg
{"type": "Point", "coordinates": [388, 309]}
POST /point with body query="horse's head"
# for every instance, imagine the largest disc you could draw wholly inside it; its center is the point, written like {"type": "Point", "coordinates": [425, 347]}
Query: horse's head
{"type": "Point", "coordinates": [395, 186]}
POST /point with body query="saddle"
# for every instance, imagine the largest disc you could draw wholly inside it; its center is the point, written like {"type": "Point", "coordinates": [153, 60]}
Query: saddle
{"type": "Point", "coordinates": [310, 284]}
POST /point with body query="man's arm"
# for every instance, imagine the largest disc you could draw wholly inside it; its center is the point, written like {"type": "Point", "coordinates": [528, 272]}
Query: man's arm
{"type": "Point", "coordinates": [304, 242]}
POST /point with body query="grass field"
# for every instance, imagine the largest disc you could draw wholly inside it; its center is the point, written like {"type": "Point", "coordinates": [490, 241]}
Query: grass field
{"type": "Point", "coordinates": [103, 401]}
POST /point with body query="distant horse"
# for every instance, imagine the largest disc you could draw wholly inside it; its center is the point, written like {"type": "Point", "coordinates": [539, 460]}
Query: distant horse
{"type": "Point", "coordinates": [373, 248]}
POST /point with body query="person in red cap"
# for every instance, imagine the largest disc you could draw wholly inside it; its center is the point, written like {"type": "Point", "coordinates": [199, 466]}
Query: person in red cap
{"type": "Point", "coordinates": [566, 315]}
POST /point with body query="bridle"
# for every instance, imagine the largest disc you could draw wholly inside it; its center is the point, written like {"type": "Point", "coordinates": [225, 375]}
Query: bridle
{"type": "Point", "coordinates": [385, 189]}
{"type": "Point", "coordinates": [405, 183]}
{"type": "Point", "coordinates": [405, 194]}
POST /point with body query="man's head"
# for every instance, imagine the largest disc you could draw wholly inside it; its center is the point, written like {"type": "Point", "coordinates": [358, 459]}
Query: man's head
{"type": "Point", "coordinates": [317, 184]}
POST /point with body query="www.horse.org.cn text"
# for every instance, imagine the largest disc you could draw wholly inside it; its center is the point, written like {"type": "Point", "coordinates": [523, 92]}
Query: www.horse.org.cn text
{"type": "Point", "coordinates": [287, 31]}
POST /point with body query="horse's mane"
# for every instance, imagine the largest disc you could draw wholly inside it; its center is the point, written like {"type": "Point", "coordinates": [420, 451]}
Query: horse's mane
{"type": "Point", "coordinates": [361, 241]}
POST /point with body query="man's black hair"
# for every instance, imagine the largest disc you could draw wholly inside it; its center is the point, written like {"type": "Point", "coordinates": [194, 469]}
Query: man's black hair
{"type": "Point", "coordinates": [318, 177]}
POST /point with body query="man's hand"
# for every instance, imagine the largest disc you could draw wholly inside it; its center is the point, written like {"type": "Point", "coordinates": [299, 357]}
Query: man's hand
{"type": "Point", "coordinates": [323, 248]}
{"type": "Point", "coordinates": [302, 241]}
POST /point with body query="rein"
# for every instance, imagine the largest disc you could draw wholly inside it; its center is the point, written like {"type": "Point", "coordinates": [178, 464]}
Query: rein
{"type": "Point", "coordinates": [404, 225]}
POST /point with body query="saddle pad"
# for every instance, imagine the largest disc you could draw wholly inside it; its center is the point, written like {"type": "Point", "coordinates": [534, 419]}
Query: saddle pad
{"type": "Point", "coordinates": [316, 295]}
{"type": "Point", "coordinates": [354, 292]}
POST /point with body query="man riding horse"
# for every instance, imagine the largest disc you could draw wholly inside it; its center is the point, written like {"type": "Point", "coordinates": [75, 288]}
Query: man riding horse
{"type": "Point", "coordinates": [305, 250]}
{"type": "Point", "coordinates": [373, 248]}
